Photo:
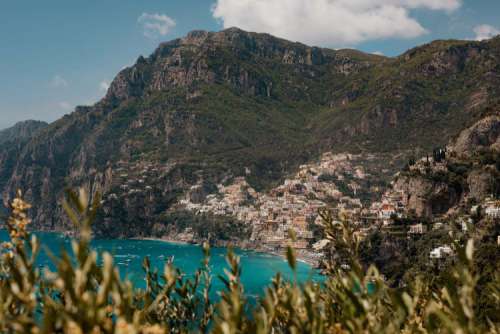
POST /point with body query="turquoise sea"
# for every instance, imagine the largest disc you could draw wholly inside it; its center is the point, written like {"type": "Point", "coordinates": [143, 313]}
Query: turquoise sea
{"type": "Point", "coordinates": [257, 268]}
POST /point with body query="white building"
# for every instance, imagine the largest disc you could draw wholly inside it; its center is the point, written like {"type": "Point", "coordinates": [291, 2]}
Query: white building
{"type": "Point", "coordinates": [493, 209]}
{"type": "Point", "coordinates": [417, 229]}
{"type": "Point", "coordinates": [441, 252]}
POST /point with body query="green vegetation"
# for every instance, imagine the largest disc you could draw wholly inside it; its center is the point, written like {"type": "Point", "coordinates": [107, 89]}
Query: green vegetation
{"type": "Point", "coordinates": [205, 227]}
{"type": "Point", "coordinates": [402, 258]}
{"type": "Point", "coordinates": [241, 101]}
{"type": "Point", "coordinates": [84, 297]}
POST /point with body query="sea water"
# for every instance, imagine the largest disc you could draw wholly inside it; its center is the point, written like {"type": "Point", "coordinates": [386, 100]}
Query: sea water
{"type": "Point", "coordinates": [258, 269]}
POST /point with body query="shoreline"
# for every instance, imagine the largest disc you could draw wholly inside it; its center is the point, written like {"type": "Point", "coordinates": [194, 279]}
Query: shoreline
{"type": "Point", "coordinates": [170, 241]}
{"type": "Point", "coordinates": [300, 258]}
{"type": "Point", "coordinates": [313, 263]}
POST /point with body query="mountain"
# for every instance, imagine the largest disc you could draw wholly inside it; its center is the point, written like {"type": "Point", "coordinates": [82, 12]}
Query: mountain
{"type": "Point", "coordinates": [213, 106]}
{"type": "Point", "coordinates": [21, 131]}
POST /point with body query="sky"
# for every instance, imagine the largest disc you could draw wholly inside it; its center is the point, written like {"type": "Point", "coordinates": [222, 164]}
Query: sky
{"type": "Point", "coordinates": [57, 54]}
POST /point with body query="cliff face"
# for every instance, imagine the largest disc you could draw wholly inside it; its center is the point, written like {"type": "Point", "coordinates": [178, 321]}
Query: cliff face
{"type": "Point", "coordinates": [21, 132]}
{"type": "Point", "coordinates": [485, 134]}
{"type": "Point", "coordinates": [426, 197]}
{"type": "Point", "coordinates": [12, 142]}
{"type": "Point", "coordinates": [240, 59]}
{"type": "Point", "coordinates": [469, 173]}
{"type": "Point", "coordinates": [213, 106]}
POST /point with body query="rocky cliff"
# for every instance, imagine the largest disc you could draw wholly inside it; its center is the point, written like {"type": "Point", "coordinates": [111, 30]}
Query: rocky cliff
{"type": "Point", "coordinates": [20, 132]}
{"type": "Point", "coordinates": [484, 135]}
{"type": "Point", "coordinates": [12, 142]}
{"type": "Point", "coordinates": [214, 106]}
{"type": "Point", "coordinates": [466, 174]}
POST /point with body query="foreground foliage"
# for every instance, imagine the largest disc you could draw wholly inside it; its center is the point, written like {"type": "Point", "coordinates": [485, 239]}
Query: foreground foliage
{"type": "Point", "coordinates": [86, 294]}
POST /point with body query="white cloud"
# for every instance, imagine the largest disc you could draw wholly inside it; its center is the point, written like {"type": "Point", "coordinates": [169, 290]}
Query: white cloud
{"type": "Point", "coordinates": [58, 82]}
{"type": "Point", "coordinates": [447, 5]}
{"type": "Point", "coordinates": [104, 86]}
{"type": "Point", "coordinates": [485, 31]}
{"type": "Point", "coordinates": [378, 53]}
{"type": "Point", "coordinates": [65, 106]}
{"type": "Point", "coordinates": [329, 22]}
{"type": "Point", "coordinates": [156, 25]}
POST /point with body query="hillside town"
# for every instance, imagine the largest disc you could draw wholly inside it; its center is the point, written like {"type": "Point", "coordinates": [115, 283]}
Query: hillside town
{"type": "Point", "coordinates": [335, 182]}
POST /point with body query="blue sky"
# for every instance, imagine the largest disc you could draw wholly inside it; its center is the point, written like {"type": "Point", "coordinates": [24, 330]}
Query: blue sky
{"type": "Point", "coordinates": [57, 54]}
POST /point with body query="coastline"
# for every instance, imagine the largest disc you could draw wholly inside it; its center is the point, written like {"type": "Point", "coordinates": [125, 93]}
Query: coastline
{"type": "Point", "coordinates": [313, 263]}
{"type": "Point", "coordinates": [170, 241]}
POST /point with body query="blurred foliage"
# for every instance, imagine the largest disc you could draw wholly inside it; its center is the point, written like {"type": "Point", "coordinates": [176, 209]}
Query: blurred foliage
{"type": "Point", "coordinates": [83, 296]}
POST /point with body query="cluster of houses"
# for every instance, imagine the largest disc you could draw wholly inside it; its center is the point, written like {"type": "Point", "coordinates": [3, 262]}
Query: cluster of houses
{"type": "Point", "coordinates": [390, 206]}
{"type": "Point", "coordinates": [138, 178]}
{"type": "Point", "coordinates": [295, 204]}
{"type": "Point", "coordinates": [270, 215]}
